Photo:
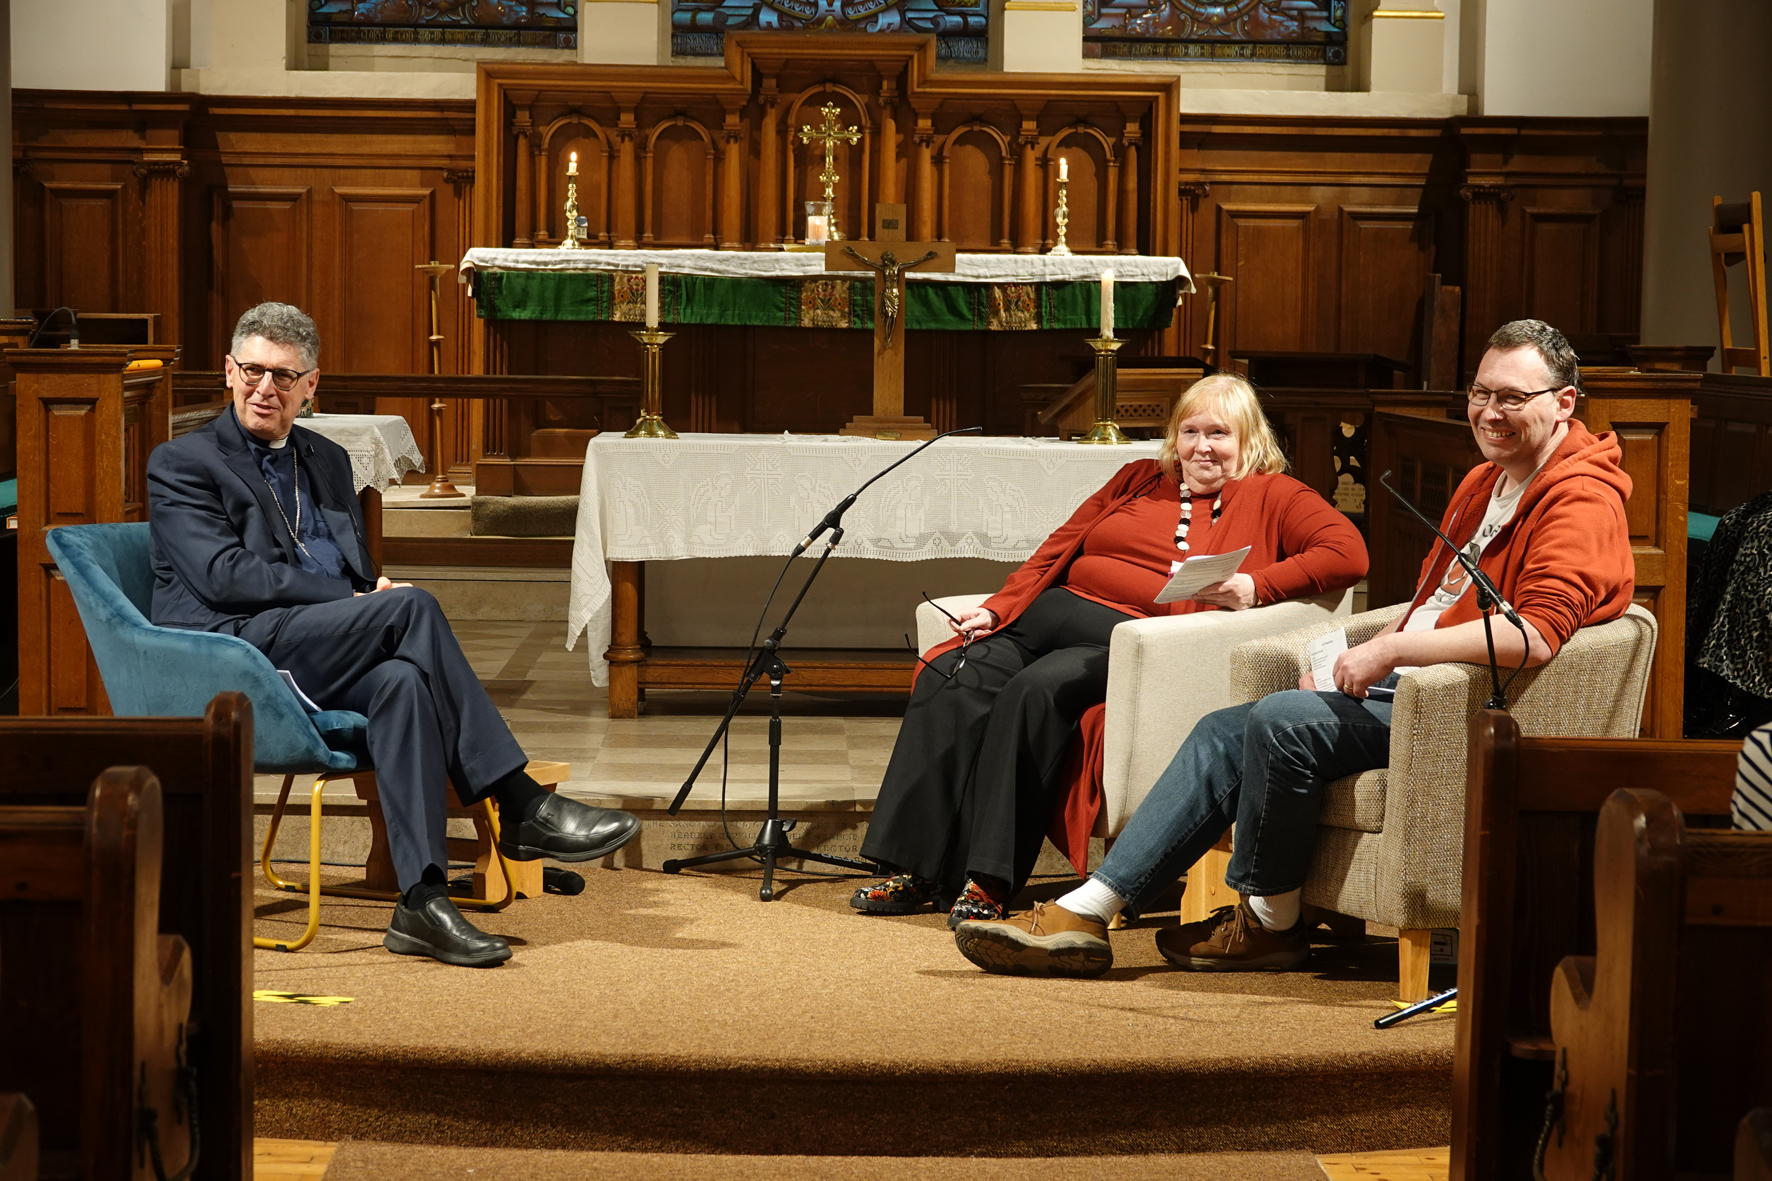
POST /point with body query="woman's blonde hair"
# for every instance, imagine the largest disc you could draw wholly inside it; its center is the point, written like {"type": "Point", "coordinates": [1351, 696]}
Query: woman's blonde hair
{"type": "Point", "coordinates": [1258, 449]}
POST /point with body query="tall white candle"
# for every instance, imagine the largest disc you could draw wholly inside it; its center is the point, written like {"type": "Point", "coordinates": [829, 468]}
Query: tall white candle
{"type": "Point", "coordinates": [1064, 169]}
{"type": "Point", "coordinates": [1107, 304]}
{"type": "Point", "coordinates": [572, 165]}
{"type": "Point", "coordinates": [652, 295]}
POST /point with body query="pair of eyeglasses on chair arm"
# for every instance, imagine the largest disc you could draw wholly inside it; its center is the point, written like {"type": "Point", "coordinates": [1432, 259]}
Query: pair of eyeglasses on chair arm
{"type": "Point", "coordinates": [966, 638]}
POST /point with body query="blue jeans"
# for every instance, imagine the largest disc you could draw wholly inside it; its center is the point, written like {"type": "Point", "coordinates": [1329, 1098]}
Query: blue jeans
{"type": "Point", "coordinates": [1260, 766]}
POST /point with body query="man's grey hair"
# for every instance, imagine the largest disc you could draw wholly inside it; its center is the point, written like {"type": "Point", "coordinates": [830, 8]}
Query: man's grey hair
{"type": "Point", "coordinates": [280, 324]}
{"type": "Point", "coordinates": [1552, 347]}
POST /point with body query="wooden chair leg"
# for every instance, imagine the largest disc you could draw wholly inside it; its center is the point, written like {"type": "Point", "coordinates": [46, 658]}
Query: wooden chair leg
{"type": "Point", "coordinates": [1413, 956]}
{"type": "Point", "coordinates": [1206, 891]}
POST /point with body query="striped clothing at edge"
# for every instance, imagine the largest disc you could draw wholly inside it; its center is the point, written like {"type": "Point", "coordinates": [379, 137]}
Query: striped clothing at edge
{"type": "Point", "coordinates": [1751, 806]}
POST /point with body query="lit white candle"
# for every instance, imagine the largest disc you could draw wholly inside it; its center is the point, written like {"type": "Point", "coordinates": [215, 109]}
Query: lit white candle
{"type": "Point", "coordinates": [1064, 169]}
{"type": "Point", "coordinates": [652, 295]}
{"type": "Point", "coordinates": [1107, 304]}
{"type": "Point", "coordinates": [818, 228]}
{"type": "Point", "coordinates": [572, 165]}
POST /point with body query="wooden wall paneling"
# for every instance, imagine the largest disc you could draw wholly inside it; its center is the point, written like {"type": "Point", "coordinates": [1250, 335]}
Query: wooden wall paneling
{"type": "Point", "coordinates": [978, 164]}
{"type": "Point", "coordinates": [1541, 197]}
{"type": "Point", "coordinates": [383, 319]}
{"type": "Point", "coordinates": [1562, 272]}
{"type": "Point", "coordinates": [162, 226]}
{"type": "Point", "coordinates": [678, 166]}
{"type": "Point", "coordinates": [84, 240]}
{"type": "Point", "coordinates": [1267, 252]}
{"type": "Point", "coordinates": [1386, 254]}
{"type": "Point", "coordinates": [262, 240]}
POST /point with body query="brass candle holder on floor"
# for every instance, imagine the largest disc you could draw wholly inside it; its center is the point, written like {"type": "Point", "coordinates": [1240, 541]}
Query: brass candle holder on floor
{"type": "Point", "coordinates": [651, 423]}
{"type": "Point", "coordinates": [1105, 430]}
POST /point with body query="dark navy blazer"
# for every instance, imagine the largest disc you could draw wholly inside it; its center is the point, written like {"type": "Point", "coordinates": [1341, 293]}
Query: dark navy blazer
{"type": "Point", "coordinates": [222, 553]}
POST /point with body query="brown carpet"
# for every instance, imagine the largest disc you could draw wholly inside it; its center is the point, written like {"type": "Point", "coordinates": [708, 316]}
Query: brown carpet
{"type": "Point", "coordinates": [361, 1161]}
{"type": "Point", "coordinates": [680, 1015]}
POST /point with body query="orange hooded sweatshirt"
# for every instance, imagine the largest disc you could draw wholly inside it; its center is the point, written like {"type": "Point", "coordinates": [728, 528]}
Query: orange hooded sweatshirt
{"type": "Point", "coordinates": [1564, 561]}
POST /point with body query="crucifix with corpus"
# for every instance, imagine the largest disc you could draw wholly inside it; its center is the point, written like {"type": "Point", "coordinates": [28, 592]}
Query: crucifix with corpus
{"type": "Point", "coordinates": [889, 257]}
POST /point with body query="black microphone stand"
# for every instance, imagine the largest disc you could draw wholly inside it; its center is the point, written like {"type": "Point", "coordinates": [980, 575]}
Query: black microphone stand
{"type": "Point", "coordinates": [1489, 601]}
{"type": "Point", "coordinates": [772, 843]}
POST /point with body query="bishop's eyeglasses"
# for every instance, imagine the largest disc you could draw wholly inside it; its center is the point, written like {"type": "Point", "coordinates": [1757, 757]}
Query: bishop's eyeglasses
{"type": "Point", "coordinates": [283, 379]}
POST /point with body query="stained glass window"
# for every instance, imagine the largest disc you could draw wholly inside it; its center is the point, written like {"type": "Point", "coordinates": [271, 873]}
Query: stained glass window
{"type": "Point", "coordinates": [698, 27]}
{"type": "Point", "coordinates": [1229, 30]}
{"type": "Point", "coordinates": [508, 24]}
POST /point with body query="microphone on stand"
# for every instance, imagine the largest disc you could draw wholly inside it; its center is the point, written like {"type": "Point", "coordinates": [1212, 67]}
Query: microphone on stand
{"type": "Point", "coordinates": [1488, 598]}
{"type": "Point", "coordinates": [834, 518]}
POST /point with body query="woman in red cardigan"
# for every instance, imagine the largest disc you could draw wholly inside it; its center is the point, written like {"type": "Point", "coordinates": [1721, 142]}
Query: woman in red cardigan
{"type": "Point", "coordinates": [981, 756]}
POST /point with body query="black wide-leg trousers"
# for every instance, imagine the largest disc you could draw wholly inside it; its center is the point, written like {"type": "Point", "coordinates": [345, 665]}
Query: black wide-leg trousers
{"type": "Point", "coordinates": [977, 765]}
{"type": "Point", "coordinates": [392, 657]}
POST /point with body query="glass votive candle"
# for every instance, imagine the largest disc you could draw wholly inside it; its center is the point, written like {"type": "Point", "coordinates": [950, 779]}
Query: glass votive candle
{"type": "Point", "coordinates": [818, 222]}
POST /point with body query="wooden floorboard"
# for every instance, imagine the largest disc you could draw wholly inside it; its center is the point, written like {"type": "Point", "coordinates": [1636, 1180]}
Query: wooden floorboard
{"type": "Point", "coordinates": [290, 1160]}
{"type": "Point", "coordinates": [1415, 1164]}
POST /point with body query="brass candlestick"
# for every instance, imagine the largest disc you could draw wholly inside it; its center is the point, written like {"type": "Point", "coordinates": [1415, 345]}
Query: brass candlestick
{"type": "Point", "coordinates": [1062, 217]}
{"type": "Point", "coordinates": [651, 424]}
{"type": "Point", "coordinates": [1105, 430]}
{"type": "Point", "coordinates": [441, 486]}
{"type": "Point", "coordinates": [570, 242]}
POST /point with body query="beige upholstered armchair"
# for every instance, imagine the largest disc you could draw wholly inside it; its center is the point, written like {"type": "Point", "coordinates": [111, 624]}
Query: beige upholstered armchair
{"type": "Point", "coordinates": [1164, 674]}
{"type": "Point", "coordinates": [1391, 843]}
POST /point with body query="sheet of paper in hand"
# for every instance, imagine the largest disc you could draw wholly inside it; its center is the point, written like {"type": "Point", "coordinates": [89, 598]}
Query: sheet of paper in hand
{"type": "Point", "coordinates": [1197, 573]}
{"type": "Point", "coordinates": [1322, 652]}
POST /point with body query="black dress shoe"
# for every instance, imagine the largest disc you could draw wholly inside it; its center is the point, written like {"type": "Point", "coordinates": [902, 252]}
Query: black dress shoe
{"type": "Point", "coordinates": [567, 830]}
{"type": "Point", "coordinates": [438, 930]}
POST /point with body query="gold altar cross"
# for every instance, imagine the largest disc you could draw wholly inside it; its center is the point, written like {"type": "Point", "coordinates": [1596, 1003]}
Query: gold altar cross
{"type": "Point", "coordinates": [889, 261]}
{"type": "Point", "coordinates": [830, 133]}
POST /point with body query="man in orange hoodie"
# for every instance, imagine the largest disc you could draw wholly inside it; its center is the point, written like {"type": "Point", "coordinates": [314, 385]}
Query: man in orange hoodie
{"type": "Point", "coordinates": [1544, 517]}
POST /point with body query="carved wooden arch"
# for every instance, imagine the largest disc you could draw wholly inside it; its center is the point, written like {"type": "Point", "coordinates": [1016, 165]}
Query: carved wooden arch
{"type": "Point", "coordinates": [541, 142]}
{"type": "Point", "coordinates": [707, 139]}
{"type": "Point", "coordinates": [1107, 187]}
{"type": "Point", "coordinates": [792, 155]}
{"type": "Point", "coordinates": [1007, 183]}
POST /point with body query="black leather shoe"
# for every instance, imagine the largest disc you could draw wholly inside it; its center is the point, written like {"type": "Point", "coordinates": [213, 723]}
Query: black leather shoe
{"type": "Point", "coordinates": [566, 830]}
{"type": "Point", "coordinates": [438, 930]}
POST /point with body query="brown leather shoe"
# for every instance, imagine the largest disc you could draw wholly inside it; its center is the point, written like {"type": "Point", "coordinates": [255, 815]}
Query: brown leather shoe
{"type": "Point", "coordinates": [1046, 941]}
{"type": "Point", "coordinates": [1232, 939]}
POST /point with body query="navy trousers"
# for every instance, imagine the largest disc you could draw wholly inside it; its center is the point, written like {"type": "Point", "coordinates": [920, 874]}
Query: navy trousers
{"type": "Point", "coordinates": [392, 657]}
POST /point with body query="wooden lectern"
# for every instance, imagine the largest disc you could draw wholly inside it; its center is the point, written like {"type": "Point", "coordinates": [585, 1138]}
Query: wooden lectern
{"type": "Point", "coordinates": [889, 259]}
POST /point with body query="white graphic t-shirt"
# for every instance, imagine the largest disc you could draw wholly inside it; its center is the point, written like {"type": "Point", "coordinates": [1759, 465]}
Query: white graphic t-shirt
{"type": "Point", "coordinates": [1454, 580]}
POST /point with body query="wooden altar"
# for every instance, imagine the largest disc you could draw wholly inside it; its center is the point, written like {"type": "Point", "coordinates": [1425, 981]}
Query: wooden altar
{"type": "Point", "coordinates": [696, 157]}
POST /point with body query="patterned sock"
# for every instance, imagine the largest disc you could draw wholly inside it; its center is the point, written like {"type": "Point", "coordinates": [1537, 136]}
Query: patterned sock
{"type": "Point", "coordinates": [1093, 900]}
{"type": "Point", "coordinates": [1278, 912]}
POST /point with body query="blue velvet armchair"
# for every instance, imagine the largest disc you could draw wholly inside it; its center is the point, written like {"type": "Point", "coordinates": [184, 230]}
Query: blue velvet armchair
{"type": "Point", "coordinates": [151, 671]}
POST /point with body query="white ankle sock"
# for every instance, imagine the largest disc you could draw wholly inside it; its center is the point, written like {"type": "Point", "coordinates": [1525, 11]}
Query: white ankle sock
{"type": "Point", "coordinates": [1278, 912]}
{"type": "Point", "coordinates": [1093, 900]}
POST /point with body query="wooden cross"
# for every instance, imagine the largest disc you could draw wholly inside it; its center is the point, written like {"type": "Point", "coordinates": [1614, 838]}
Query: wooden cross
{"type": "Point", "coordinates": [829, 134]}
{"type": "Point", "coordinates": [889, 260]}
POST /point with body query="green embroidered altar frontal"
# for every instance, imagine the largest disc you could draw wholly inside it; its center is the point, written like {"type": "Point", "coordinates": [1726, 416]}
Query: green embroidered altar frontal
{"type": "Point", "coordinates": [834, 301]}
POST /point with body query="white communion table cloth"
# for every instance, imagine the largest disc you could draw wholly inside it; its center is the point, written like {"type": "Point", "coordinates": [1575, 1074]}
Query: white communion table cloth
{"type": "Point", "coordinates": [731, 495]}
{"type": "Point", "coordinates": [381, 446]}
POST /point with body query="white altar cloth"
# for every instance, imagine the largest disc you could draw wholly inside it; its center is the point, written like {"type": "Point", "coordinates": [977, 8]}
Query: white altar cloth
{"type": "Point", "coordinates": [796, 264]}
{"type": "Point", "coordinates": [381, 446]}
{"type": "Point", "coordinates": [729, 495]}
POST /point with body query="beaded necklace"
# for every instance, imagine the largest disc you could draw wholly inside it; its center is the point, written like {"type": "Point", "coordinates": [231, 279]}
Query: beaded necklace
{"type": "Point", "coordinates": [1187, 516]}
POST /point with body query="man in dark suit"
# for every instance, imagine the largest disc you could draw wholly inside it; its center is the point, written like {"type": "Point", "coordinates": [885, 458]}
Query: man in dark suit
{"type": "Point", "coordinates": [257, 532]}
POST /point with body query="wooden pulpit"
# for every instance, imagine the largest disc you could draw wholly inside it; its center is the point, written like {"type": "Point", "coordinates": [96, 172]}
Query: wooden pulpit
{"type": "Point", "coordinates": [889, 260]}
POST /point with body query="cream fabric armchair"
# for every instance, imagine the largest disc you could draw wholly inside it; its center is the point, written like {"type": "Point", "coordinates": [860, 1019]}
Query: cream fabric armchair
{"type": "Point", "coordinates": [1390, 847]}
{"type": "Point", "coordinates": [1164, 674]}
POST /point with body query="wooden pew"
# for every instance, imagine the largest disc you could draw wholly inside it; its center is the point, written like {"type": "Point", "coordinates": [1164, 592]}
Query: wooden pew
{"type": "Point", "coordinates": [94, 1001]}
{"type": "Point", "coordinates": [18, 1138]}
{"type": "Point", "coordinates": [204, 766]}
{"type": "Point", "coordinates": [1753, 1146]}
{"type": "Point", "coordinates": [1530, 815]}
{"type": "Point", "coordinates": [1661, 1038]}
